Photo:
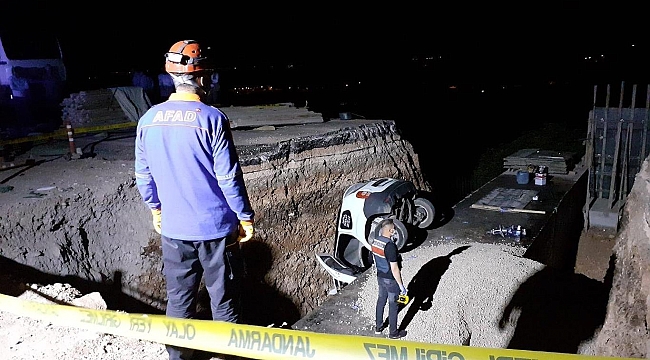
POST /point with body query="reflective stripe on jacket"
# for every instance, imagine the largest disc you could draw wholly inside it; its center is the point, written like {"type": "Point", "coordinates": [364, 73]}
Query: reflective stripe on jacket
{"type": "Point", "coordinates": [383, 251]}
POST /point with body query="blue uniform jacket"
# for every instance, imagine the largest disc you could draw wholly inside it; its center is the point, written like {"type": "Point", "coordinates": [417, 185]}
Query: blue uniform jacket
{"type": "Point", "coordinates": [186, 165]}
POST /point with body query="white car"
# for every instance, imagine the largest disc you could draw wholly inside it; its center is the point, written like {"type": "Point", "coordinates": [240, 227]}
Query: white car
{"type": "Point", "coordinates": [364, 205]}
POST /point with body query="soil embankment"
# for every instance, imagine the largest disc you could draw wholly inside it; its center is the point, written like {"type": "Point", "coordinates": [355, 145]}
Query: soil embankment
{"type": "Point", "coordinates": [82, 221]}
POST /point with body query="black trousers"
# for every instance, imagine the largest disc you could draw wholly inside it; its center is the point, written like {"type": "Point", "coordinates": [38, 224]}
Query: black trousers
{"type": "Point", "coordinates": [388, 293]}
{"type": "Point", "coordinates": [185, 263]}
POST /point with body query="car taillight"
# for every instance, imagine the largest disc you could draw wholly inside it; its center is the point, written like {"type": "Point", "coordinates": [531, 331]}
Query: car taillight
{"type": "Point", "coordinates": [363, 194]}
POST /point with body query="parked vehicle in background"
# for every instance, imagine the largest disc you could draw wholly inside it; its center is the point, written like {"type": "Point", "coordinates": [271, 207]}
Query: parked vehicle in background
{"type": "Point", "coordinates": [32, 79]}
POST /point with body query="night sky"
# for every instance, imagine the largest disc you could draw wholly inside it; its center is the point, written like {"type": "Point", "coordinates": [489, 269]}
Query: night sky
{"type": "Point", "coordinates": [507, 39]}
{"type": "Point", "coordinates": [452, 43]}
{"type": "Point", "coordinates": [398, 52]}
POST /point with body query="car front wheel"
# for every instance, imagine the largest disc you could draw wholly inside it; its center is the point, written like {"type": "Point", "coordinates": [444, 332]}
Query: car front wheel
{"type": "Point", "coordinates": [424, 213]}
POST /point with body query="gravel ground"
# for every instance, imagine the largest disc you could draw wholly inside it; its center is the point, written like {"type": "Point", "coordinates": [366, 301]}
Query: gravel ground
{"type": "Point", "coordinates": [453, 286]}
{"type": "Point", "coordinates": [25, 338]}
{"type": "Point", "coordinates": [488, 295]}
{"type": "Point", "coordinates": [458, 295]}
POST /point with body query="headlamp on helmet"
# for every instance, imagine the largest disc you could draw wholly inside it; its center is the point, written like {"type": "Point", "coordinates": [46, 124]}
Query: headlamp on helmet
{"type": "Point", "coordinates": [185, 57]}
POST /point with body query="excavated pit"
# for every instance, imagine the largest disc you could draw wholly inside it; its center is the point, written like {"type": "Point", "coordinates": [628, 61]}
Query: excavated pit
{"type": "Point", "coordinates": [83, 222]}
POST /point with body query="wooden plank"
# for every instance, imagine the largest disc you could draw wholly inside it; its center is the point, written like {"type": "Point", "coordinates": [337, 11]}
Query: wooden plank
{"type": "Point", "coordinates": [556, 162]}
{"type": "Point", "coordinates": [506, 209]}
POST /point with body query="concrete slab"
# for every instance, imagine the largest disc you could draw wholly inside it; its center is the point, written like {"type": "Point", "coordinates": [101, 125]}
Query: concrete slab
{"type": "Point", "coordinates": [281, 114]}
{"type": "Point", "coordinates": [256, 130]}
{"type": "Point", "coordinates": [602, 216]}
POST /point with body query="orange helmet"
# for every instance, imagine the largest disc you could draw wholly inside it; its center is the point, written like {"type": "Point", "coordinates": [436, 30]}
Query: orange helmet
{"type": "Point", "coordinates": [185, 57]}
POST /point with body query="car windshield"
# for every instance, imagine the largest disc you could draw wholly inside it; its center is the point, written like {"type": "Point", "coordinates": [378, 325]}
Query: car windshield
{"type": "Point", "coordinates": [27, 46]}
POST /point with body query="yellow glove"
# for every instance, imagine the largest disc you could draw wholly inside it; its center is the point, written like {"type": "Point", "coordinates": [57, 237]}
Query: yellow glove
{"type": "Point", "coordinates": [246, 230]}
{"type": "Point", "coordinates": [156, 219]}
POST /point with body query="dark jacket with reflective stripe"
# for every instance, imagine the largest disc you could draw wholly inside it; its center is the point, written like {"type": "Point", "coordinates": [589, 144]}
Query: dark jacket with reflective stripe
{"type": "Point", "coordinates": [384, 252]}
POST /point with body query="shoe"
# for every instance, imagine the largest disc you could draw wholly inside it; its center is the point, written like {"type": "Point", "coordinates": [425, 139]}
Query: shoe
{"type": "Point", "coordinates": [398, 335]}
{"type": "Point", "coordinates": [379, 330]}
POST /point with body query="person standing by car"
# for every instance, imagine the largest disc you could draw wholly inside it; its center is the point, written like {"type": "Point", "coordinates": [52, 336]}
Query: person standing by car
{"type": "Point", "coordinates": [388, 262]}
{"type": "Point", "coordinates": [188, 173]}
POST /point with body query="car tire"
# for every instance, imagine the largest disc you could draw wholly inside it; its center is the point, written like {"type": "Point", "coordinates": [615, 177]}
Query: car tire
{"type": "Point", "coordinates": [401, 234]}
{"type": "Point", "coordinates": [424, 212]}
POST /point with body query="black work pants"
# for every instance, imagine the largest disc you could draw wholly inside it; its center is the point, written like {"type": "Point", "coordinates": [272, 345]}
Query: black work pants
{"type": "Point", "coordinates": [388, 293]}
{"type": "Point", "coordinates": [184, 264]}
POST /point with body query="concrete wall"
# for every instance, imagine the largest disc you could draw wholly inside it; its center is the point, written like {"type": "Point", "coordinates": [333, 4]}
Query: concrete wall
{"type": "Point", "coordinates": [557, 243]}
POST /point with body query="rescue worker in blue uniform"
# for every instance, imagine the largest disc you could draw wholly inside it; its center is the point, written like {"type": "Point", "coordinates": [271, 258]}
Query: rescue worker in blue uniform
{"type": "Point", "coordinates": [388, 262]}
{"type": "Point", "coordinates": [188, 173]}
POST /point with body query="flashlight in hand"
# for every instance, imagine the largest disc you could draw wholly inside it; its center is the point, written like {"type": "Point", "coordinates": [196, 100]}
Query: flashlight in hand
{"type": "Point", "coordinates": [403, 299]}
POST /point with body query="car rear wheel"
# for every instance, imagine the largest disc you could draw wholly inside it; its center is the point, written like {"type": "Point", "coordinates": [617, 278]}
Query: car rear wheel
{"type": "Point", "coordinates": [401, 235]}
{"type": "Point", "coordinates": [424, 213]}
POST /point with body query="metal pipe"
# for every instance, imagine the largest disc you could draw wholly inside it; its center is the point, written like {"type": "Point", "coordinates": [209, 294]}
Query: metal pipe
{"type": "Point", "coordinates": [626, 161]}
{"type": "Point", "coordinates": [612, 183]}
{"type": "Point", "coordinates": [645, 125]}
{"type": "Point", "coordinates": [603, 150]}
{"type": "Point", "coordinates": [589, 158]}
{"type": "Point", "coordinates": [628, 146]}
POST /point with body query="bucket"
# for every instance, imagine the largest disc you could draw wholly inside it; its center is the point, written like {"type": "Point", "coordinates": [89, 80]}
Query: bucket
{"type": "Point", "coordinates": [523, 177]}
{"type": "Point", "coordinates": [540, 179]}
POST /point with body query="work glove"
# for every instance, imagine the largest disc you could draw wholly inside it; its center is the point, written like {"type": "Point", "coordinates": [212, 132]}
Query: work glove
{"type": "Point", "coordinates": [246, 230]}
{"type": "Point", "coordinates": [157, 219]}
{"type": "Point", "coordinates": [402, 290]}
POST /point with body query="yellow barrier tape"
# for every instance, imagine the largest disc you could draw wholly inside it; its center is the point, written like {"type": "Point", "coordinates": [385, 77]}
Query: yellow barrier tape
{"type": "Point", "coordinates": [64, 133]}
{"type": "Point", "coordinates": [258, 342]}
